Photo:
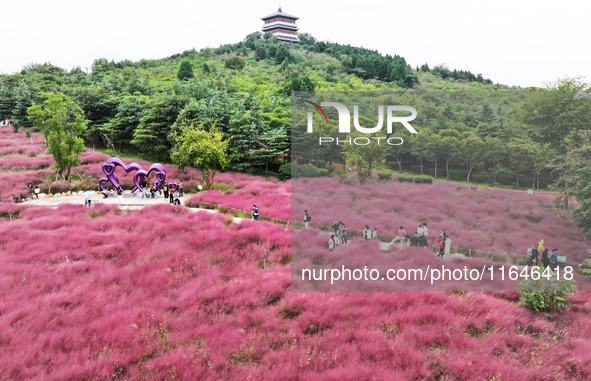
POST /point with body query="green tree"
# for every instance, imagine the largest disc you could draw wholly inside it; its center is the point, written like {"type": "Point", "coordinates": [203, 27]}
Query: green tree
{"type": "Point", "coordinates": [520, 158]}
{"type": "Point", "coordinates": [151, 135]}
{"type": "Point", "coordinates": [555, 114]}
{"type": "Point", "coordinates": [471, 152]}
{"type": "Point", "coordinates": [494, 154]}
{"type": "Point", "coordinates": [419, 146]}
{"type": "Point", "coordinates": [568, 167]}
{"type": "Point", "coordinates": [185, 71]}
{"type": "Point", "coordinates": [62, 122]}
{"type": "Point", "coordinates": [202, 149]}
{"type": "Point", "coordinates": [449, 142]}
{"type": "Point", "coordinates": [365, 157]}
{"type": "Point", "coordinates": [260, 53]}
{"type": "Point", "coordinates": [234, 62]}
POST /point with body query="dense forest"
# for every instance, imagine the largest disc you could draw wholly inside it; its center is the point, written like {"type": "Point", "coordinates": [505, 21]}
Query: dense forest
{"type": "Point", "coordinates": [244, 90]}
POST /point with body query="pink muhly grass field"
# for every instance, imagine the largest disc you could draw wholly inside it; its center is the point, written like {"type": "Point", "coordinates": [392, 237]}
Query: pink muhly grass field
{"type": "Point", "coordinates": [165, 293]}
{"type": "Point", "coordinates": [500, 221]}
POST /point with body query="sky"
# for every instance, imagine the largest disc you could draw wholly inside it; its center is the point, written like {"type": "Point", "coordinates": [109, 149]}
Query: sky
{"type": "Point", "coordinates": [520, 42]}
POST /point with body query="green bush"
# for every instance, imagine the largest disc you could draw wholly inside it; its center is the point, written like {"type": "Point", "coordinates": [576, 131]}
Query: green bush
{"type": "Point", "coordinates": [331, 169]}
{"type": "Point", "coordinates": [235, 62]}
{"type": "Point", "coordinates": [385, 176]}
{"type": "Point", "coordinates": [392, 165]}
{"type": "Point", "coordinates": [285, 171]}
{"type": "Point", "coordinates": [546, 295]}
{"type": "Point", "coordinates": [423, 180]}
{"type": "Point", "coordinates": [307, 170]}
{"type": "Point", "coordinates": [407, 179]}
{"type": "Point", "coordinates": [337, 172]}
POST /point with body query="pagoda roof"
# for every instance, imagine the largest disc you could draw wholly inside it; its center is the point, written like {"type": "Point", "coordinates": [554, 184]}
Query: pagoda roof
{"type": "Point", "coordinates": [280, 13]}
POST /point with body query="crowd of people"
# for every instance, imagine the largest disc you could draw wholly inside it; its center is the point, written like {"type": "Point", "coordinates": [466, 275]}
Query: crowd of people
{"type": "Point", "coordinates": [167, 190]}
{"type": "Point", "coordinates": [419, 238]}
{"type": "Point", "coordinates": [548, 258]}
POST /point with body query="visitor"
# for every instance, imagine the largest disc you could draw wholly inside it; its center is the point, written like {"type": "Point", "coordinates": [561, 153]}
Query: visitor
{"type": "Point", "coordinates": [331, 243]}
{"type": "Point", "coordinates": [307, 219]}
{"type": "Point", "coordinates": [534, 255]}
{"type": "Point", "coordinates": [181, 188]}
{"type": "Point", "coordinates": [152, 192]}
{"type": "Point", "coordinates": [177, 201]}
{"type": "Point", "coordinates": [335, 226]}
{"type": "Point", "coordinates": [343, 234]}
{"type": "Point", "coordinates": [374, 235]}
{"type": "Point", "coordinates": [545, 259]}
{"type": "Point", "coordinates": [367, 233]}
{"type": "Point", "coordinates": [119, 195]}
{"type": "Point", "coordinates": [554, 259]}
{"type": "Point", "coordinates": [400, 234]}
{"type": "Point", "coordinates": [165, 190]}
{"type": "Point", "coordinates": [255, 213]}
{"type": "Point", "coordinates": [439, 247]}
{"type": "Point", "coordinates": [425, 229]}
{"type": "Point", "coordinates": [447, 245]}
{"type": "Point", "coordinates": [30, 186]}
{"type": "Point", "coordinates": [37, 191]}
{"type": "Point", "coordinates": [144, 190]}
{"type": "Point", "coordinates": [420, 230]}
{"type": "Point", "coordinates": [414, 240]}
{"type": "Point", "coordinates": [171, 194]}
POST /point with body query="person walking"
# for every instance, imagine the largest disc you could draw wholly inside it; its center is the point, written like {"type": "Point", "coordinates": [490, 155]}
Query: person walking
{"type": "Point", "coordinates": [37, 191]}
{"type": "Point", "coordinates": [335, 226]}
{"type": "Point", "coordinates": [374, 235]}
{"type": "Point", "coordinates": [165, 190]}
{"type": "Point", "coordinates": [181, 188]}
{"type": "Point", "coordinates": [447, 245]}
{"type": "Point", "coordinates": [400, 235]}
{"type": "Point", "coordinates": [343, 234]}
{"type": "Point", "coordinates": [440, 245]}
{"type": "Point", "coordinates": [534, 255]}
{"type": "Point", "coordinates": [255, 213]}
{"type": "Point", "coordinates": [307, 219]}
{"type": "Point", "coordinates": [171, 195]}
{"type": "Point", "coordinates": [367, 233]}
{"type": "Point", "coordinates": [545, 258]}
{"type": "Point", "coordinates": [119, 195]}
{"type": "Point", "coordinates": [554, 259]}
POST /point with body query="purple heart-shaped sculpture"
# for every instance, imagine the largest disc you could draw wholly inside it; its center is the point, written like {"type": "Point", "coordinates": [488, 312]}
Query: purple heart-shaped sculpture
{"type": "Point", "coordinates": [175, 185]}
{"type": "Point", "coordinates": [140, 175]}
{"type": "Point", "coordinates": [109, 169]}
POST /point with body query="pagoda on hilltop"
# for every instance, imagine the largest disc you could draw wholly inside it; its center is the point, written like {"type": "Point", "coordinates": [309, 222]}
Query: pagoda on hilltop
{"type": "Point", "coordinates": [282, 25]}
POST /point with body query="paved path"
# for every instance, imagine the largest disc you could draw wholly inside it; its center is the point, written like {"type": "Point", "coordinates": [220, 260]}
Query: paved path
{"type": "Point", "coordinates": [126, 203]}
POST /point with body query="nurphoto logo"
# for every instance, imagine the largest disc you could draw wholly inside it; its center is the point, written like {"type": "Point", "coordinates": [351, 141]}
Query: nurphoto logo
{"type": "Point", "coordinates": [345, 123]}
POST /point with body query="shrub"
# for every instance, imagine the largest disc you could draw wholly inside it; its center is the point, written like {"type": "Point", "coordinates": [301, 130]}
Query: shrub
{"type": "Point", "coordinates": [423, 180]}
{"type": "Point", "coordinates": [285, 171]}
{"type": "Point", "coordinates": [330, 169]}
{"type": "Point", "coordinates": [308, 170]}
{"type": "Point", "coordinates": [235, 62]}
{"type": "Point", "coordinates": [337, 172]}
{"type": "Point", "coordinates": [384, 176]}
{"type": "Point", "coordinates": [544, 295]}
{"type": "Point", "coordinates": [407, 179]}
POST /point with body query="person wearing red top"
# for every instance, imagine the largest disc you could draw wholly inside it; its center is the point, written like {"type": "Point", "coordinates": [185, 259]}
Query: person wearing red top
{"type": "Point", "coordinates": [440, 245]}
{"type": "Point", "coordinates": [400, 235]}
